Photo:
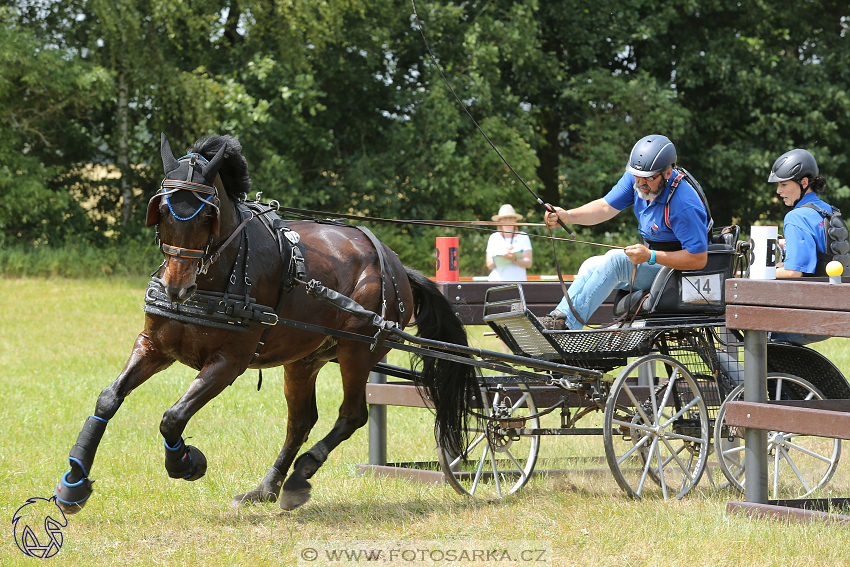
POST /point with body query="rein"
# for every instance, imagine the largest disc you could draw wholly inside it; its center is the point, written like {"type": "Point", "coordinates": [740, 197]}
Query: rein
{"type": "Point", "coordinates": [470, 225]}
{"type": "Point", "coordinates": [202, 269]}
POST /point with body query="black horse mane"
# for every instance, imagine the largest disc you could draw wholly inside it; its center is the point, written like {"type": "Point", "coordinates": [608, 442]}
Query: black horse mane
{"type": "Point", "coordinates": [234, 169]}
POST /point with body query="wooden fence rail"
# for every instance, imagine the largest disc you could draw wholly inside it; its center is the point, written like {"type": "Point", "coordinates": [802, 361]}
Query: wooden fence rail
{"type": "Point", "coordinates": [800, 306]}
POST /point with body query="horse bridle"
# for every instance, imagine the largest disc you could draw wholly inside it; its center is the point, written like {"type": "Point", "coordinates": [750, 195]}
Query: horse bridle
{"type": "Point", "coordinates": [170, 186]}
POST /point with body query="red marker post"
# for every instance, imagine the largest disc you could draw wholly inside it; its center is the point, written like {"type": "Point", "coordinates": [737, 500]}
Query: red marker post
{"type": "Point", "coordinates": [448, 269]}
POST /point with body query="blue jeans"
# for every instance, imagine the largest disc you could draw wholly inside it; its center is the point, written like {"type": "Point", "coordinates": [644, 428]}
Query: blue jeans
{"type": "Point", "coordinates": [597, 278]}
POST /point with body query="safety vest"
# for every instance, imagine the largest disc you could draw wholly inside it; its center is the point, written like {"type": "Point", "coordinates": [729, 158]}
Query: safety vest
{"type": "Point", "coordinates": [837, 240]}
{"type": "Point", "coordinates": [675, 245]}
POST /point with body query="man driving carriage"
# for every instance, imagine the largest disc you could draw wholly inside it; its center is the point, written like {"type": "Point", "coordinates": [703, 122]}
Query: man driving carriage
{"type": "Point", "coordinates": [673, 221]}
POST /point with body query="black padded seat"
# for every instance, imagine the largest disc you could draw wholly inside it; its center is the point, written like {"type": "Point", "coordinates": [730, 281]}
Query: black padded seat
{"type": "Point", "coordinates": [664, 298]}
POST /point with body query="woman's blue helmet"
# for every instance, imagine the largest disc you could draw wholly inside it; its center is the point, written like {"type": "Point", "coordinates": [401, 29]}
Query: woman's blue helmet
{"type": "Point", "coordinates": [650, 155]}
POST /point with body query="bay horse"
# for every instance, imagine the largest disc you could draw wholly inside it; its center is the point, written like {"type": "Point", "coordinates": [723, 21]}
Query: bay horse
{"type": "Point", "coordinates": [195, 213]}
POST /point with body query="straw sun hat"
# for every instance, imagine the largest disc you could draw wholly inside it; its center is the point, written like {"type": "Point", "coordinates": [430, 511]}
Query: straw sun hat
{"type": "Point", "coordinates": [507, 212]}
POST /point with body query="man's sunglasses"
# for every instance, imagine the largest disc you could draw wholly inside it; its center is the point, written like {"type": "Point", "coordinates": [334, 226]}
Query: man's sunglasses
{"type": "Point", "coordinates": [654, 177]}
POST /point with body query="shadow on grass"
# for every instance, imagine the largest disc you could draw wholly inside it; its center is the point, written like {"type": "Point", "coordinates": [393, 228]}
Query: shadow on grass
{"type": "Point", "coordinates": [354, 513]}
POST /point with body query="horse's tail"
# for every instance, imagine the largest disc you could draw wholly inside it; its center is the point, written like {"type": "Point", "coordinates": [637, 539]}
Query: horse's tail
{"type": "Point", "coordinates": [450, 384]}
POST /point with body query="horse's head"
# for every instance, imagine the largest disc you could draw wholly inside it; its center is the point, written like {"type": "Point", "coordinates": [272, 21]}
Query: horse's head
{"type": "Point", "coordinates": [186, 211]}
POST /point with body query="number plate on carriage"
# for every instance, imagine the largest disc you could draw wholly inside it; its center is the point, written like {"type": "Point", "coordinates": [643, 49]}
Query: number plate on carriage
{"type": "Point", "coordinates": [704, 288]}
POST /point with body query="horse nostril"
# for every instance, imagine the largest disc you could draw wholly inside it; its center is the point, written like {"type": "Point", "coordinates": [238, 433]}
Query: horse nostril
{"type": "Point", "coordinates": [187, 292]}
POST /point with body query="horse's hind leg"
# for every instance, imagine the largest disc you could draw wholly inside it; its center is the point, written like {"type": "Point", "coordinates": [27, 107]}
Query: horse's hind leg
{"type": "Point", "coordinates": [181, 460]}
{"type": "Point", "coordinates": [355, 361]}
{"type": "Point", "coordinates": [74, 487]}
{"type": "Point", "coordinates": [300, 392]}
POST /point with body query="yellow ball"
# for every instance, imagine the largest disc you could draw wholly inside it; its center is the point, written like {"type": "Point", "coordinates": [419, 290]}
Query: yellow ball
{"type": "Point", "coordinates": [834, 268]}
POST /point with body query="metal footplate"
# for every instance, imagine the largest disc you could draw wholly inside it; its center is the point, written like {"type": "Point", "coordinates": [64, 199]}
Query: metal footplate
{"type": "Point", "coordinates": [210, 309]}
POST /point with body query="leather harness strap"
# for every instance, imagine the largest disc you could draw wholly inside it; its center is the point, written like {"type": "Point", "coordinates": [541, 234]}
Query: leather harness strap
{"type": "Point", "coordinates": [181, 252]}
{"type": "Point", "coordinates": [385, 269]}
{"type": "Point", "coordinates": [212, 259]}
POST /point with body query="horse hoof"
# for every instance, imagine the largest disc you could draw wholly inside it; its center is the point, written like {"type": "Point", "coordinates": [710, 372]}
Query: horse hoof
{"type": "Point", "coordinates": [292, 499]}
{"type": "Point", "coordinates": [71, 497]}
{"type": "Point", "coordinates": [253, 497]}
{"type": "Point", "coordinates": [199, 463]}
{"type": "Point", "coordinates": [186, 462]}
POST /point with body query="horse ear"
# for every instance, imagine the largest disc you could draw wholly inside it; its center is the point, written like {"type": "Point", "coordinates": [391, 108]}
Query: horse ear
{"type": "Point", "coordinates": [169, 163]}
{"type": "Point", "coordinates": [211, 169]}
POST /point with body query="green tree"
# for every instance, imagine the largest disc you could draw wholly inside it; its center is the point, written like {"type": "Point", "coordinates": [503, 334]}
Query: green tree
{"type": "Point", "coordinates": [758, 79]}
{"type": "Point", "coordinates": [47, 96]}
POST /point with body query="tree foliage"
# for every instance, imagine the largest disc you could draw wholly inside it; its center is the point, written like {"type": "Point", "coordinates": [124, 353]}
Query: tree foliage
{"type": "Point", "coordinates": [340, 107]}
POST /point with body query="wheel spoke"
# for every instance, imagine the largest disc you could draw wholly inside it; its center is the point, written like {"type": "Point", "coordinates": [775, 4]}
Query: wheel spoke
{"type": "Point", "coordinates": [675, 455]}
{"type": "Point", "coordinates": [685, 437]}
{"type": "Point", "coordinates": [778, 392]}
{"type": "Point", "coordinates": [480, 470]}
{"type": "Point", "coordinates": [661, 470]}
{"type": "Point", "coordinates": [776, 458]}
{"type": "Point", "coordinates": [634, 448]}
{"type": "Point", "coordinates": [519, 467]}
{"type": "Point", "coordinates": [465, 454]}
{"type": "Point", "coordinates": [690, 463]}
{"type": "Point", "coordinates": [736, 449]}
{"type": "Point", "coordinates": [795, 469]}
{"type": "Point", "coordinates": [667, 391]}
{"type": "Point", "coordinates": [652, 394]}
{"type": "Point", "coordinates": [681, 412]}
{"type": "Point", "coordinates": [646, 465]}
{"type": "Point", "coordinates": [630, 425]}
{"type": "Point", "coordinates": [636, 403]}
{"type": "Point", "coordinates": [809, 452]}
{"type": "Point", "coordinates": [519, 402]}
{"type": "Point", "coordinates": [494, 467]}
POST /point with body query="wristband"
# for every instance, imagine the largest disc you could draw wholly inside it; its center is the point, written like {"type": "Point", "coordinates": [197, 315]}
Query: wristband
{"type": "Point", "coordinates": [652, 258]}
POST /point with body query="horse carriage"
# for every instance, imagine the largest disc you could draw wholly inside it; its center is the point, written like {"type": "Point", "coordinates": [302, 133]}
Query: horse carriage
{"type": "Point", "coordinates": [674, 368]}
{"type": "Point", "coordinates": [232, 294]}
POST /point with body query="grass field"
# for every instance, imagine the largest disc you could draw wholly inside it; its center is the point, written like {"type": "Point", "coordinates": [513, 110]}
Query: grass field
{"type": "Point", "coordinates": [62, 341]}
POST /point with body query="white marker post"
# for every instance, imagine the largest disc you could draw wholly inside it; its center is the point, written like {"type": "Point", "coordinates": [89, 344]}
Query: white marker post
{"type": "Point", "coordinates": [764, 249]}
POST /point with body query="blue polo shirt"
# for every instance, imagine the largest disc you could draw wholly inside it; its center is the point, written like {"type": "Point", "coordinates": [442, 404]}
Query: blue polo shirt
{"type": "Point", "coordinates": [804, 235]}
{"type": "Point", "coordinates": [688, 218]}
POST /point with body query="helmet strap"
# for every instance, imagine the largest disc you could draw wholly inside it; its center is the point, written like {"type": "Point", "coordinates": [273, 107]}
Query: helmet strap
{"type": "Point", "coordinates": [802, 192]}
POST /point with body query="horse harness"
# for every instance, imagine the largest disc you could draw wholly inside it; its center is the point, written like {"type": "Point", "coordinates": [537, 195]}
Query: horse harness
{"type": "Point", "coordinates": [231, 310]}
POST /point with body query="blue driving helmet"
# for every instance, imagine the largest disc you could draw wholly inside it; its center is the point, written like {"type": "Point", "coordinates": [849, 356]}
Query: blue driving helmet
{"type": "Point", "coordinates": [650, 155]}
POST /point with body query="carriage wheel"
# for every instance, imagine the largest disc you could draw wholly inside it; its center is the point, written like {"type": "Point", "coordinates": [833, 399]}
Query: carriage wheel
{"type": "Point", "coordinates": [498, 459]}
{"type": "Point", "coordinates": [659, 443]}
{"type": "Point", "coordinates": [797, 464]}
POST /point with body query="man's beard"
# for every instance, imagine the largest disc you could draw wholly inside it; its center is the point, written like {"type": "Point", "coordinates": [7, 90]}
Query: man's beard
{"type": "Point", "coordinates": [647, 196]}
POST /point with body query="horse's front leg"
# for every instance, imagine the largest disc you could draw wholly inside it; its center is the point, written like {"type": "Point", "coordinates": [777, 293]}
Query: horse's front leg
{"type": "Point", "coordinates": [75, 487]}
{"type": "Point", "coordinates": [185, 461]}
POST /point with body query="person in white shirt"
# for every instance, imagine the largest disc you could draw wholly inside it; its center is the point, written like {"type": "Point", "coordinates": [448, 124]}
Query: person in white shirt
{"type": "Point", "coordinates": [508, 251]}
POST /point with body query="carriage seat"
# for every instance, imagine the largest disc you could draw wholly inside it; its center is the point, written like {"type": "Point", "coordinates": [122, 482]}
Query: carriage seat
{"type": "Point", "coordinates": [676, 292]}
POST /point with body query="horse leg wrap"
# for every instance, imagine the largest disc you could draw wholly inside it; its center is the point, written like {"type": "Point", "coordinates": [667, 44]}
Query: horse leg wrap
{"type": "Point", "coordinates": [184, 461]}
{"type": "Point", "coordinates": [83, 451]}
{"type": "Point", "coordinates": [319, 453]}
{"type": "Point", "coordinates": [72, 495]}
